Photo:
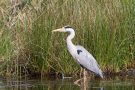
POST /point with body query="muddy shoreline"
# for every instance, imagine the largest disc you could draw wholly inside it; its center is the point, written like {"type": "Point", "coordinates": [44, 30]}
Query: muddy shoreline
{"type": "Point", "coordinates": [123, 73]}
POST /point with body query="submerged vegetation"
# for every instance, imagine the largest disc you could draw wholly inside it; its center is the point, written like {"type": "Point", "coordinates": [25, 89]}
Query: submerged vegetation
{"type": "Point", "coordinates": [27, 46]}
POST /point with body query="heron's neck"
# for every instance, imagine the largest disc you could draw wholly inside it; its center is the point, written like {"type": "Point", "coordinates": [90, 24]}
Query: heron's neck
{"type": "Point", "coordinates": [70, 37]}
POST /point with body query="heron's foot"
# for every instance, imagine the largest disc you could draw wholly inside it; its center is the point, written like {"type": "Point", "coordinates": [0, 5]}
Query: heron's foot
{"type": "Point", "coordinates": [78, 82]}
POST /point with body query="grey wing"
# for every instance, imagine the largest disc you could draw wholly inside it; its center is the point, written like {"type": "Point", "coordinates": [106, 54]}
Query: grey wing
{"type": "Point", "coordinates": [85, 59]}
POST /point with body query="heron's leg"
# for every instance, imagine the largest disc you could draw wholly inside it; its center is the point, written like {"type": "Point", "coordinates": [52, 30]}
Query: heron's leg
{"type": "Point", "coordinates": [85, 80]}
{"type": "Point", "coordinates": [85, 75]}
{"type": "Point", "coordinates": [81, 72]}
{"type": "Point", "coordinates": [77, 82]}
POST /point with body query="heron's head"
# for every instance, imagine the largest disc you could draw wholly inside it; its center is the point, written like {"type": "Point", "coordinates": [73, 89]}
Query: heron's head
{"type": "Point", "coordinates": [63, 29]}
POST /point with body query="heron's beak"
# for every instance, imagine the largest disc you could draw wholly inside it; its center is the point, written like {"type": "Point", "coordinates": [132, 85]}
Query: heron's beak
{"type": "Point", "coordinates": [58, 30]}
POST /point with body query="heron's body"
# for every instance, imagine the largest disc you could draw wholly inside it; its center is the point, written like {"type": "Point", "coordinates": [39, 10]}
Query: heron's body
{"type": "Point", "coordinates": [80, 54]}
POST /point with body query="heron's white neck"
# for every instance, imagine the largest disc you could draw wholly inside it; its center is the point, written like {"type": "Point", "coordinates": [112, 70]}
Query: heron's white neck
{"type": "Point", "coordinates": [70, 37]}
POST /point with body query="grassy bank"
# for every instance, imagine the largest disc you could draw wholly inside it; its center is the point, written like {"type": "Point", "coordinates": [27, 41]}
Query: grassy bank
{"type": "Point", "coordinates": [27, 46]}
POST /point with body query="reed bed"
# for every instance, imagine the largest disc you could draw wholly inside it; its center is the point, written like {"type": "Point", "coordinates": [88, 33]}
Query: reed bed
{"type": "Point", "coordinates": [27, 46]}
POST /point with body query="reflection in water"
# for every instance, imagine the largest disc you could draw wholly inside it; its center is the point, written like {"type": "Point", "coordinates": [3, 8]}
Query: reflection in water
{"type": "Point", "coordinates": [85, 82]}
{"type": "Point", "coordinates": [118, 83]}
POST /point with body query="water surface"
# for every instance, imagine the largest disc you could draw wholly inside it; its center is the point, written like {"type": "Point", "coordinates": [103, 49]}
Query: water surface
{"type": "Point", "coordinates": [117, 83]}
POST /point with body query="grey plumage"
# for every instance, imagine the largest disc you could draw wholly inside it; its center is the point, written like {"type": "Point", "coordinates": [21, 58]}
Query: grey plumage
{"type": "Point", "coordinates": [88, 61]}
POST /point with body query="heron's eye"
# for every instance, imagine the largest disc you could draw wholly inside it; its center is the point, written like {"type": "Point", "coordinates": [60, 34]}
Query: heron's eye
{"type": "Point", "coordinates": [78, 51]}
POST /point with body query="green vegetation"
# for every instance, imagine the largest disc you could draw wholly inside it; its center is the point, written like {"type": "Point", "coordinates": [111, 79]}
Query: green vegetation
{"type": "Point", "coordinates": [27, 46]}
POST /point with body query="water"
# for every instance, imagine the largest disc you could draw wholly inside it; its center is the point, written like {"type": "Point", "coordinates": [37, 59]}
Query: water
{"type": "Point", "coordinates": [118, 83]}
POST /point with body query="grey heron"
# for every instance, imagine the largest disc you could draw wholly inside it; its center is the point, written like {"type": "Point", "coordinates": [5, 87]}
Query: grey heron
{"type": "Point", "coordinates": [79, 53]}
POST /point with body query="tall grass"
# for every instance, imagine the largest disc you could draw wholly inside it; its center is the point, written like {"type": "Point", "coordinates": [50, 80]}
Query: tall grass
{"type": "Point", "coordinates": [105, 28]}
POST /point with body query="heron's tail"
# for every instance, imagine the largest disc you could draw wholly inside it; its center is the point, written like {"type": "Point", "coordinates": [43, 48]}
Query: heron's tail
{"type": "Point", "coordinates": [101, 74]}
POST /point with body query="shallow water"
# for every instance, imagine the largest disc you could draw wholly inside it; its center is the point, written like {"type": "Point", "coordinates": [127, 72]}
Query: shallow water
{"type": "Point", "coordinates": [117, 83]}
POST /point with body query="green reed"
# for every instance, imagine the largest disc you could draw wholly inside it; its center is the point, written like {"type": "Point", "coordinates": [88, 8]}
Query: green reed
{"type": "Point", "coordinates": [104, 28]}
